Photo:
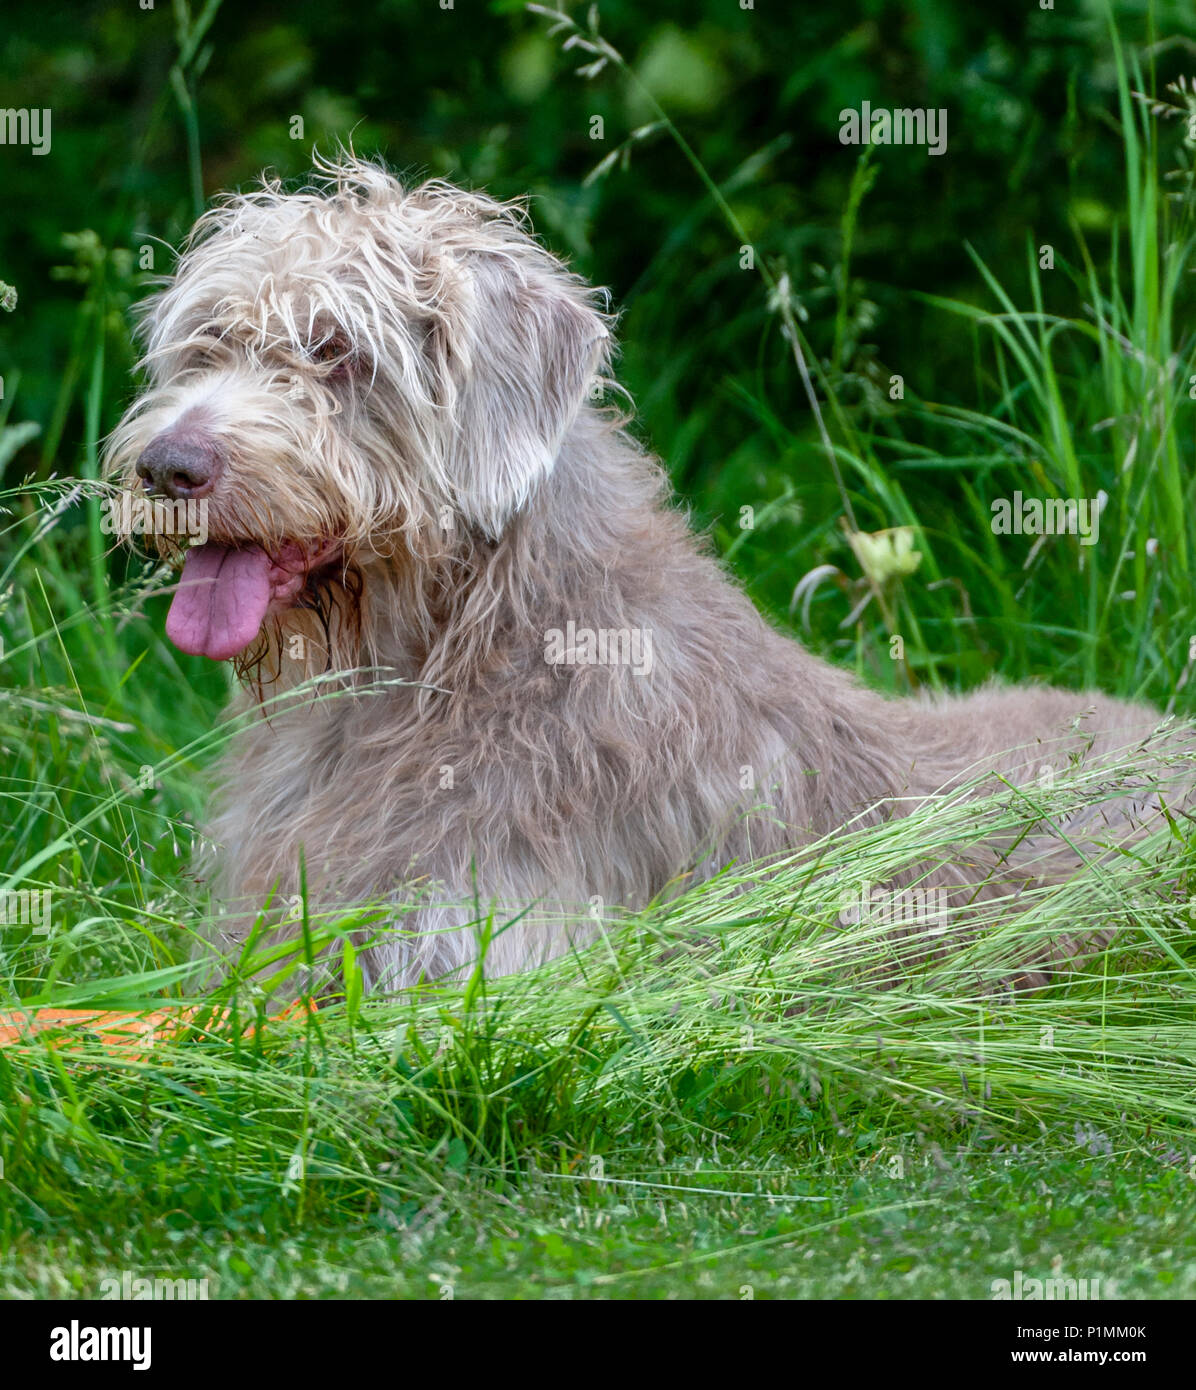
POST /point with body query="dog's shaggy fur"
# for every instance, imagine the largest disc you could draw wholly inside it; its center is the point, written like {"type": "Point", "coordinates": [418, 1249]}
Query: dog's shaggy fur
{"type": "Point", "coordinates": [386, 397]}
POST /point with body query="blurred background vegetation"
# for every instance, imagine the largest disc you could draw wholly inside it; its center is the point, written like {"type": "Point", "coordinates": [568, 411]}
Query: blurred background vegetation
{"type": "Point", "coordinates": [149, 102]}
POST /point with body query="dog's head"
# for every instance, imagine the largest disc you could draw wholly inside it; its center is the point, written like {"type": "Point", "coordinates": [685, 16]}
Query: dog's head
{"type": "Point", "coordinates": [351, 372]}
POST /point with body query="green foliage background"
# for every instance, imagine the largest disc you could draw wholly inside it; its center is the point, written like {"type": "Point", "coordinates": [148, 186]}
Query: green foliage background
{"type": "Point", "coordinates": [483, 94]}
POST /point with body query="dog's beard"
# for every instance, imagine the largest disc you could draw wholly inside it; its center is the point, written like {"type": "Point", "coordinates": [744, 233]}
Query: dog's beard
{"type": "Point", "coordinates": [226, 593]}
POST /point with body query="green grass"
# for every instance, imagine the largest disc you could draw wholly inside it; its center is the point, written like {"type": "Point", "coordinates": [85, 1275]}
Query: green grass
{"type": "Point", "coordinates": [573, 1128]}
{"type": "Point", "coordinates": [719, 1099]}
{"type": "Point", "coordinates": [948, 1229]}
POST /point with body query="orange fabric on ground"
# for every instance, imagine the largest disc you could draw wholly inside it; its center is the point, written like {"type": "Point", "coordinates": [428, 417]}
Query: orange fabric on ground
{"type": "Point", "coordinates": [115, 1028]}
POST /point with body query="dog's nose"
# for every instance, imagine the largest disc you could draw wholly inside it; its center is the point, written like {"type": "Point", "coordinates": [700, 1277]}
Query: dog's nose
{"type": "Point", "coordinates": [179, 465]}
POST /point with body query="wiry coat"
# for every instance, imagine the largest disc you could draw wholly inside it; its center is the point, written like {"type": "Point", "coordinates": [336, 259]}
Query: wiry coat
{"type": "Point", "coordinates": [411, 374]}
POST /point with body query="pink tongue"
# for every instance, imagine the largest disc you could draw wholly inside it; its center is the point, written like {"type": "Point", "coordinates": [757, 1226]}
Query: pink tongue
{"type": "Point", "coordinates": [221, 600]}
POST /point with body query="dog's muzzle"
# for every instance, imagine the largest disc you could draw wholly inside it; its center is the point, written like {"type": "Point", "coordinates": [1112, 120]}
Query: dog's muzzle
{"type": "Point", "coordinates": [179, 465]}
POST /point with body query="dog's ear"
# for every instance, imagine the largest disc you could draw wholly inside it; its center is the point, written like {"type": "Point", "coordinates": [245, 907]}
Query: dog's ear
{"type": "Point", "coordinates": [535, 346]}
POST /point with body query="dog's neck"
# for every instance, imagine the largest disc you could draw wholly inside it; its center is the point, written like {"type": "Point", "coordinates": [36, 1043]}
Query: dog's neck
{"type": "Point", "coordinates": [574, 552]}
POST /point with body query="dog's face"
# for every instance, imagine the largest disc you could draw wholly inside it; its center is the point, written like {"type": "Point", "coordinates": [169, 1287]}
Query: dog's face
{"type": "Point", "coordinates": [345, 374]}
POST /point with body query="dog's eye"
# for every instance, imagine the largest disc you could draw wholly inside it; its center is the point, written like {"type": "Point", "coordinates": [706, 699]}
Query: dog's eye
{"type": "Point", "coordinates": [203, 345]}
{"type": "Point", "coordinates": [331, 350]}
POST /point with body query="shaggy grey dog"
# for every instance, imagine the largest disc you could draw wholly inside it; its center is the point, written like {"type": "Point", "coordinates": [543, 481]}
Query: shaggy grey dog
{"type": "Point", "coordinates": [385, 399]}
